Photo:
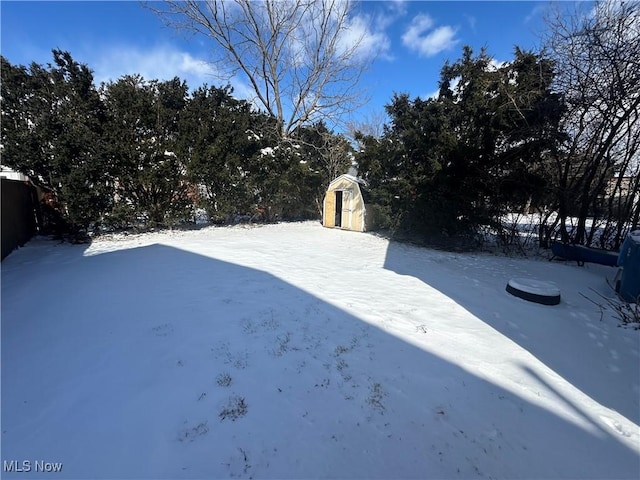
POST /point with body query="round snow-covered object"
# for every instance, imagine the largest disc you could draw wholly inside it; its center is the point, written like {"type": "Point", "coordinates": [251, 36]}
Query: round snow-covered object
{"type": "Point", "coordinates": [532, 290]}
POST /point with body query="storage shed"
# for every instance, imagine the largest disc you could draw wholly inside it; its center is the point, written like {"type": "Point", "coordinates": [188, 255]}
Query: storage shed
{"type": "Point", "coordinates": [344, 205]}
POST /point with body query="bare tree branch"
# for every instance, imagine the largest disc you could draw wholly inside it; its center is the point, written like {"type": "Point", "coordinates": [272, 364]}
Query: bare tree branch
{"type": "Point", "coordinates": [597, 62]}
{"type": "Point", "coordinates": [302, 58]}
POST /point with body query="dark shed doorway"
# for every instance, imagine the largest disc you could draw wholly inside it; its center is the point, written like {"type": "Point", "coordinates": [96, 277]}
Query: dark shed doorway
{"type": "Point", "coordinates": [338, 219]}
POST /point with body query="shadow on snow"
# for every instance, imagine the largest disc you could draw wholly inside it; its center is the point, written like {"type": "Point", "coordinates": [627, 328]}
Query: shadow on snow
{"type": "Point", "coordinates": [114, 368]}
{"type": "Point", "coordinates": [539, 329]}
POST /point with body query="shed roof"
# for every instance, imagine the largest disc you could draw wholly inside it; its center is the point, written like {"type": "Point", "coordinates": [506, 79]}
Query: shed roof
{"type": "Point", "coordinates": [350, 178]}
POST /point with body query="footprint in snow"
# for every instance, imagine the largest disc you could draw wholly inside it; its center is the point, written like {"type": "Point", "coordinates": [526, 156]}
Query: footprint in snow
{"type": "Point", "coordinates": [162, 330]}
{"type": "Point", "coordinates": [191, 434]}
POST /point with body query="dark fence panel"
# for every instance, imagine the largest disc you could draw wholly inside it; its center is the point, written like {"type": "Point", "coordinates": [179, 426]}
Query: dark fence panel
{"type": "Point", "coordinates": [19, 202]}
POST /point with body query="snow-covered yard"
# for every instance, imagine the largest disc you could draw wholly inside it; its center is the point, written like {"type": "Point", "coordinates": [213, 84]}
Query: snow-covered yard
{"type": "Point", "coordinates": [293, 351]}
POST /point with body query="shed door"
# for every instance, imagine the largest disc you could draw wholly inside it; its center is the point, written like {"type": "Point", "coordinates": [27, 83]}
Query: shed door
{"type": "Point", "coordinates": [346, 209]}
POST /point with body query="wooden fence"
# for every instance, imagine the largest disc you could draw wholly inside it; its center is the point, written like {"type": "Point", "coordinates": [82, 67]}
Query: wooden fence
{"type": "Point", "coordinates": [19, 214]}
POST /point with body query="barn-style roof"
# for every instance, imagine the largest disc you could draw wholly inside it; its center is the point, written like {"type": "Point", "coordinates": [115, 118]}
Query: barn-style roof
{"type": "Point", "coordinates": [350, 178]}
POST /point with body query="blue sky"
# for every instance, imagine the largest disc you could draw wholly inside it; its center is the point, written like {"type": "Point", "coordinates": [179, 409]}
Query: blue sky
{"type": "Point", "coordinates": [412, 39]}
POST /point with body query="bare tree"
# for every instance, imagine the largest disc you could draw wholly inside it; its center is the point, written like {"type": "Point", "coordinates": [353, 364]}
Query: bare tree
{"type": "Point", "coordinates": [368, 125]}
{"type": "Point", "coordinates": [371, 124]}
{"type": "Point", "coordinates": [597, 55]}
{"type": "Point", "coordinates": [335, 155]}
{"type": "Point", "coordinates": [302, 58]}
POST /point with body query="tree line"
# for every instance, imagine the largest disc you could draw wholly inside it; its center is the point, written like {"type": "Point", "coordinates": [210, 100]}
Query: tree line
{"type": "Point", "coordinates": [135, 153]}
{"type": "Point", "coordinates": [555, 133]}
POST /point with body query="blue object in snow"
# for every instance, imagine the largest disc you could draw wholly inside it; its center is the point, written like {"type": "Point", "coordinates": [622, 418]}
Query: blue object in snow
{"type": "Point", "coordinates": [583, 254]}
{"type": "Point", "coordinates": [629, 260]}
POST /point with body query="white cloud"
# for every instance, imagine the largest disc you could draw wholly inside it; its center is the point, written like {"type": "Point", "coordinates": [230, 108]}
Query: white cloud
{"type": "Point", "coordinates": [442, 38]}
{"type": "Point", "coordinates": [420, 24]}
{"type": "Point", "coordinates": [472, 22]}
{"type": "Point", "coordinates": [535, 12]}
{"type": "Point", "coordinates": [428, 44]}
{"type": "Point", "coordinates": [393, 11]}
{"type": "Point", "coordinates": [372, 29]}
{"type": "Point", "coordinates": [374, 42]}
{"type": "Point", "coordinates": [399, 7]}
{"type": "Point", "coordinates": [162, 62]}
{"type": "Point", "coordinates": [359, 34]}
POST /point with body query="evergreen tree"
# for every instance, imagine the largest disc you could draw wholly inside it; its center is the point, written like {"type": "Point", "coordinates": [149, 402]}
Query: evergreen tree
{"type": "Point", "coordinates": [458, 163]}
{"type": "Point", "coordinates": [53, 130]}
{"type": "Point", "coordinates": [220, 137]}
{"type": "Point", "coordinates": [143, 143]}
